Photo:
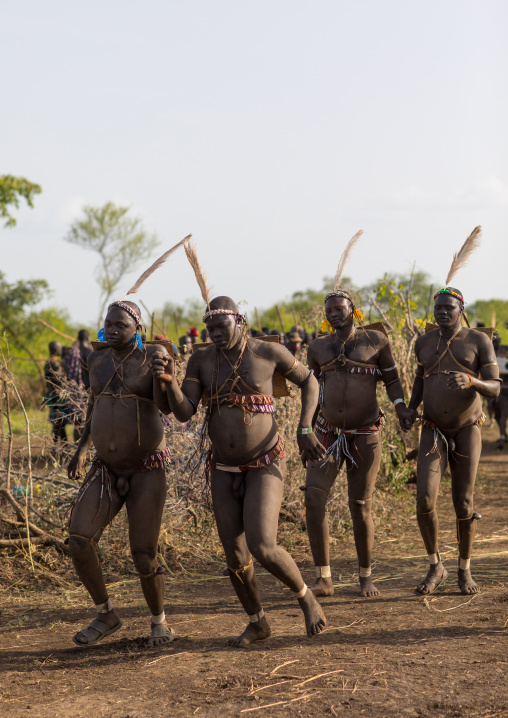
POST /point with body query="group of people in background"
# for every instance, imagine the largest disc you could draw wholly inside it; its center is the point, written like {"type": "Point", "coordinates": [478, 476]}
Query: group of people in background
{"type": "Point", "coordinates": [296, 339]}
{"type": "Point", "coordinates": [67, 384]}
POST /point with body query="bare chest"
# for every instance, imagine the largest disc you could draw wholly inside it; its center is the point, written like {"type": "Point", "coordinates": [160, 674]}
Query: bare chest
{"type": "Point", "coordinates": [436, 353]}
{"type": "Point", "coordinates": [357, 350]}
{"type": "Point", "coordinates": [111, 377]}
{"type": "Point", "coordinates": [251, 374]}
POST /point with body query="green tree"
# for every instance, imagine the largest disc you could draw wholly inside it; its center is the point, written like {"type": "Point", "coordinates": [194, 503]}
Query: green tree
{"type": "Point", "coordinates": [414, 291]}
{"type": "Point", "coordinates": [187, 315]}
{"type": "Point", "coordinates": [485, 311]}
{"type": "Point", "coordinates": [14, 300]}
{"type": "Point", "coordinates": [120, 241]}
{"type": "Point", "coordinates": [12, 189]}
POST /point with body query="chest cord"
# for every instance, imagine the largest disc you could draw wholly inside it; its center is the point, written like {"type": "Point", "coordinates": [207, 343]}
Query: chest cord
{"type": "Point", "coordinates": [128, 395]}
{"type": "Point", "coordinates": [448, 350]}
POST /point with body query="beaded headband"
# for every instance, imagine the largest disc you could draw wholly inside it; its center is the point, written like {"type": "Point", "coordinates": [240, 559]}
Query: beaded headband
{"type": "Point", "coordinates": [213, 312]}
{"type": "Point", "coordinates": [339, 293]}
{"type": "Point", "coordinates": [451, 293]}
{"type": "Point", "coordinates": [127, 309]}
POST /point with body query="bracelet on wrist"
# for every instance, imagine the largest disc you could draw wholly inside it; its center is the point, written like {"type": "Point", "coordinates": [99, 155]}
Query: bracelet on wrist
{"type": "Point", "coordinates": [398, 401]}
{"type": "Point", "coordinates": [305, 430]}
{"type": "Point", "coordinates": [470, 381]}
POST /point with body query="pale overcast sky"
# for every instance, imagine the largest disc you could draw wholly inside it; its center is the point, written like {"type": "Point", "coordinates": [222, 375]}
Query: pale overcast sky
{"type": "Point", "coordinates": [272, 131]}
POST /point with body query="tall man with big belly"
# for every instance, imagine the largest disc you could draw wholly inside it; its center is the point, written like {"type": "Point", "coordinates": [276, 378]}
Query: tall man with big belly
{"type": "Point", "coordinates": [124, 424]}
{"type": "Point", "coordinates": [235, 374]}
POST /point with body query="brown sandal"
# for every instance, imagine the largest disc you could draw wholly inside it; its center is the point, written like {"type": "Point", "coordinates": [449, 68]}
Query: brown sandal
{"type": "Point", "coordinates": [430, 583]}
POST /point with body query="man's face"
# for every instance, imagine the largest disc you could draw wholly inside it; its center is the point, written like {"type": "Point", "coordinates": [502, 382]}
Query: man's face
{"type": "Point", "coordinates": [339, 312]}
{"type": "Point", "coordinates": [119, 327]}
{"type": "Point", "coordinates": [447, 310]}
{"type": "Point", "coordinates": [223, 330]}
{"type": "Point", "coordinates": [185, 345]}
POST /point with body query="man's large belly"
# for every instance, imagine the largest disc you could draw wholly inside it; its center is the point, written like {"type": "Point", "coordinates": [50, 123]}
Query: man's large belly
{"type": "Point", "coordinates": [238, 438]}
{"type": "Point", "coordinates": [449, 408]}
{"type": "Point", "coordinates": [115, 431]}
{"type": "Point", "coordinates": [350, 400]}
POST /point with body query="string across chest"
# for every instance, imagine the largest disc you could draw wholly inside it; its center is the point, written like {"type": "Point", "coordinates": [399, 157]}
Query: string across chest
{"type": "Point", "coordinates": [127, 394]}
{"type": "Point", "coordinates": [435, 368]}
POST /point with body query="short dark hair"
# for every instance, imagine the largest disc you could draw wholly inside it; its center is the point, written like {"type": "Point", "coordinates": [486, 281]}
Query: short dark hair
{"type": "Point", "coordinates": [224, 303]}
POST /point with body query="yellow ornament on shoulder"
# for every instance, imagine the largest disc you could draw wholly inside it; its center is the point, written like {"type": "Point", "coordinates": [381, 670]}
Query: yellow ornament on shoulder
{"type": "Point", "coordinates": [327, 327]}
{"type": "Point", "coordinates": [358, 315]}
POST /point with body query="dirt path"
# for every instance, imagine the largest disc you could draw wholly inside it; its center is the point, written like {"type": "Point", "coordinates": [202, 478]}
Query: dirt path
{"type": "Point", "coordinates": [399, 655]}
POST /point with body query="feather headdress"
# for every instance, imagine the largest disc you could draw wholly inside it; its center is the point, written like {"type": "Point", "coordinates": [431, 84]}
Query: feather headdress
{"type": "Point", "coordinates": [345, 258]}
{"type": "Point", "coordinates": [461, 257]}
{"type": "Point", "coordinates": [158, 263]}
{"type": "Point", "coordinates": [205, 288]}
{"type": "Point", "coordinates": [337, 291]}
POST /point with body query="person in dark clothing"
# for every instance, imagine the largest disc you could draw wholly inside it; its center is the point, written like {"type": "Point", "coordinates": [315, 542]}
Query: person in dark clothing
{"type": "Point", "coordinates": [54, 375]}
{"type": "Point", "coordinates": [85, 348]}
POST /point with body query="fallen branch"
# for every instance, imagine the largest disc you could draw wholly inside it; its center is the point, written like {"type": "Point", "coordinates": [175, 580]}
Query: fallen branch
{"type": "Point", "coordinates": [320, 675]}
{"type": "Point", "coordinates": [26, 542]}
{"type": "Point", "coordinates": [171, 655]}
{"type": "Point", "coordinates": [297, 660]}
{"type": "Point", "coordinates": [45, 537]}
{"type": "Point", "coordinates": [20, 513]}
{"type": "Point", "coordinates": [48, 521]}
{"type": "Point", "coordinates": [452, 608]}
{"type": "Point", "coordinates": [272, 685]}
{"type": "Point", "coordinates": [279, 703]}
{"type": "Point", "coordinates": [45, 477]}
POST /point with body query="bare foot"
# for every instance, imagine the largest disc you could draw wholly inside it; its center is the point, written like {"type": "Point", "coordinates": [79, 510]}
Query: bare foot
{"type": "Point", "coordinates": [466, 583]}
{"type": "Point", "coordinates": [161, 633]}
{"type": "Point", "coordinates": [315, 620]}
{"type": "Point", "coordinates": [368, 589]}
{"type": "Point", "coordinates": [254, 632]}
{"type": "Point", "coordinates": [322, 587]}
{"type": "Point", "coordinates": [436, 575]}
{"type": "Point", "coordinates": [103, 625]}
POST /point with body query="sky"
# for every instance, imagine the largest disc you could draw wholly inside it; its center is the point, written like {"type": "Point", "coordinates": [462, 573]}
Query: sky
{"type": "Point", "coordinates": [270, 130]}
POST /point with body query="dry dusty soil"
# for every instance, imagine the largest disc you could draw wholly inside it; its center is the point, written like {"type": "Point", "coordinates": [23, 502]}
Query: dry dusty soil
{"type": "Point", "coordinates": [396, 655]}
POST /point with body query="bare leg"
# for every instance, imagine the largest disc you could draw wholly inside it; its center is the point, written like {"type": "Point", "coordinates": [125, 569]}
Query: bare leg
{"type": "Point", "coordinates": [228, 512]}
{"type": "Point", "coordinates": [85, 531]}
{"type": "Point", "coordinates": [263, 497]}
{"type": "Point", "coordinates": [59, 431]}
{"type": "Point", "coordinates": [501, 413]}
{"type": "Point", "coordinates": [319, 481]}
{"type": "Point", "coordinates": [463, 469]}
{"type": "Point", "coordinates": [430, 469]}
{"type": "Point", "coordinates": [145, 503]}
{"type": "Point", "coordinates": [366, 450]}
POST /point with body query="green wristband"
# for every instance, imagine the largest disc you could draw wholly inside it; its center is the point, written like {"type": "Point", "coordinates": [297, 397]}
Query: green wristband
{"type": "Point", "coordinates": [303, 430]}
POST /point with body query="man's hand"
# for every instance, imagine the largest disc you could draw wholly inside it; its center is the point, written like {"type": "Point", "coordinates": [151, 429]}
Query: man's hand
{"type": "Point", "coordinates": [407, 416]}
{"type": "Point", "coordinates": [76, 464]}
{"type": "Point", "coordinates": [310, 448]}
{"type": "Point", "coordinates": [459, 380]}
{"type": "Point", "coordinates": [162, 366]}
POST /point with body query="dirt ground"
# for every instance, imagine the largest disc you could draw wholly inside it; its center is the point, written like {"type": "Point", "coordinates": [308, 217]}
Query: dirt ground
{"type": "Point", "coordinates": [396, 655]}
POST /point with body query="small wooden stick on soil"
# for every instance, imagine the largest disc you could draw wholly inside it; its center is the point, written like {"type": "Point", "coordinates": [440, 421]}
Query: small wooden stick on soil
{"type": "Point", "coordinates": [279, 703]}
{"type": "Point", "coordinates": [282, 665]}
